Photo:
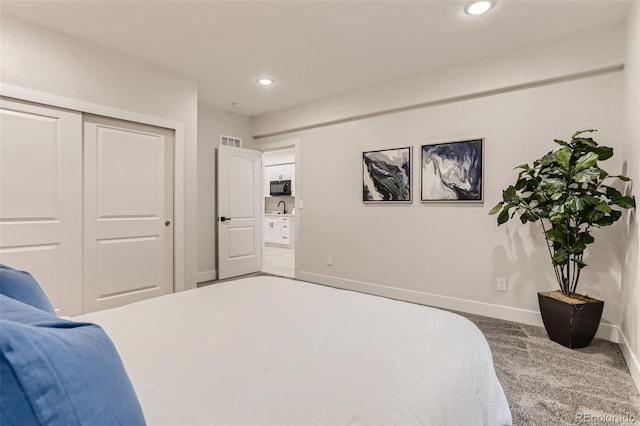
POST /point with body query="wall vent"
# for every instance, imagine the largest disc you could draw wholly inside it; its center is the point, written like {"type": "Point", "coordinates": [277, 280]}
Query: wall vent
{"type": "Point", "coordinates": [231, 141]}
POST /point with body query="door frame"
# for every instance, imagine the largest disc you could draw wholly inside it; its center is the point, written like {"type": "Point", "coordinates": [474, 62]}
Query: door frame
{"type": "Point", "coordinates": [180, 166]}
{"type": "Point", "coordinates": [299, 205]}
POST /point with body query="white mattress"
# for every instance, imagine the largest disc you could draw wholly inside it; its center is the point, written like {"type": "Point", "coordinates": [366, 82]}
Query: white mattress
{"type": "Point", "coordinates": [273, 351]}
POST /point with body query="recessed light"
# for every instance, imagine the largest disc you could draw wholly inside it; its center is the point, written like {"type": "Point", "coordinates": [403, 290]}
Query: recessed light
{"type": "Point", "coordinates": [478, 7]}
{"type": "Point", "coordinates": [265, 81]}
{"type": "Point", "coordinates": [236, 104]}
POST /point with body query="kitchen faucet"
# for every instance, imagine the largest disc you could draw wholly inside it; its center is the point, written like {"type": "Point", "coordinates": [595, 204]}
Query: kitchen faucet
{"type": "Point", "coordinates": [285, 206]}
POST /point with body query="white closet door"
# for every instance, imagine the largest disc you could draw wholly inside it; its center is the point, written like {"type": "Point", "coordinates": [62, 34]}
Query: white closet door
{"type": "Point", "coordinates": [41, 198]}
{"type": "Point", "coordinates": [128, 212]}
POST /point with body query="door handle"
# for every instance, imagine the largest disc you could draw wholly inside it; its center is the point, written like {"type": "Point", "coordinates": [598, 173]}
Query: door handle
{"type": "Point", "coordinates": [223, 219]}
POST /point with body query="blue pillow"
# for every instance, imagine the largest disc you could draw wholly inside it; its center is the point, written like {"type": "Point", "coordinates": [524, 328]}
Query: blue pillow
{"type": "Point", "coordinates": [59, 372]}
{"type": "Point", "coordinates": [20, 285]}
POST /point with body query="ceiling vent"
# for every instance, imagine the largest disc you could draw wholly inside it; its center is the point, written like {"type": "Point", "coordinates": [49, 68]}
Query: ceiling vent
{"type": "Point", "coordinates": [230, 141]}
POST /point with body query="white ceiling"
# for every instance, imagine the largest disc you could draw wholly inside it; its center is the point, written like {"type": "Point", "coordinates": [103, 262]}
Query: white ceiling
{"type": "Point", "coordinates": [313, 49]}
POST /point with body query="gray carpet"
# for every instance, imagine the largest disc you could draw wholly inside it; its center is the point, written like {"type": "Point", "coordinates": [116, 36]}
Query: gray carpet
{"type": "Point", "coordinates": [548, 384]}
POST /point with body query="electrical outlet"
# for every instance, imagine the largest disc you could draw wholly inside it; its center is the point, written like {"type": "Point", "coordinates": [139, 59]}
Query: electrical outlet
{"type": "Point", "coordinates": [330, 260]}
{"type": "Point", "coordinates": [501, 284]}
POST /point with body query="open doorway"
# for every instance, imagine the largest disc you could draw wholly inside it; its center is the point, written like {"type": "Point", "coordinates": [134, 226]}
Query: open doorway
{"type": "Point", "coordinates": [279, 171]}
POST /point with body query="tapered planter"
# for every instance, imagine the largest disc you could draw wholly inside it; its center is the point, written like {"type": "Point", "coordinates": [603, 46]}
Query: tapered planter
{"type": "Point", "coordinates": [571, 322]}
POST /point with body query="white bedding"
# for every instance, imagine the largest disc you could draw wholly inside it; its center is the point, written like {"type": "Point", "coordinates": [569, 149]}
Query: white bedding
{"type": "Point", "coordinates": [273, 351]}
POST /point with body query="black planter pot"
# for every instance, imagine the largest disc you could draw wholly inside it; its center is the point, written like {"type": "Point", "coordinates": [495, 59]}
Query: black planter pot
{"type": "Point", "coordinates": [571, 325]}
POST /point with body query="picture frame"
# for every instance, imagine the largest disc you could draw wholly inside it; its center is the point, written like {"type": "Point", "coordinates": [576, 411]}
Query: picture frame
{"type": "Point", "coordinates": [452, 171]}
{"type": "Point", "coordinates": [386, 176]}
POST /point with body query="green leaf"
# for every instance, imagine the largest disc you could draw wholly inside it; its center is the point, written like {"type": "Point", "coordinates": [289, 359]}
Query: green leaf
{"type": "Point", "coordinates": [605, 220]}
{"type": "Point", "coordinates": [623, 178]}
{"type": "Point", "coordinates": [586, 238]}
{"type": "Point", "coordinates": [560, 142]}
{"type": "Point", "coordinates": [613, 193]}
{"type": "Point", "coordinates": [528, 216]}
{"type": "Point", "coordinates": [524, 167]}
{"type": "Point", "coordinates": [604, 153]}
{"type": "Point", "coordinates": [509, 194]}
{"type": "Point", "coordinates": [579, 132]}
{"type": "Point", "coordinates": [548, 159]}
{"type": "Point", "coordinates": [578, 248]}
{"type": "Point", "coordinates": [627, 202]}
{"type": "Point", "coordinates": [552, 185]}
{"type": "Point", "coordinates": [575, 204]}
{"type": "Point", "coordinates": [520, 184]}
{"type": "Point", "coordinates": [588, 175]}
{"type": "Point", "coordinates": [563, 156]}
{"type": "Point", "coordinates": [556, 218]}
{"type": "Point", "coordinates": [579, 262]}
{"type": "Point", "coordinates": [503, 217]}
{"type": "Point", "coordinates": [557, 196]}
{"type": "Point", "coordinates": [561, 257]}
{"type": "Point", "coordinates": [496, 208]}
{"type": "Point", "coordinates": [554, 234]}
{"type": "Point", "coordinates": [615, 215]}
{"type": "Point", "coordinates": [603, 207]}
{"type": "Point", "coordinates": [595, 216]}
{"type": "Point", "coordinates": [589, 143]}
{"type": "Point", "coordinates": [591, 201]}
{"type": "Point", "coordinates": [587, 160]}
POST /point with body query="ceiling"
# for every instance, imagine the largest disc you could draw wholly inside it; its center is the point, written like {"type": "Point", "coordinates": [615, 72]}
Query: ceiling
{"type": "Point", "coordinates": [313, 49]}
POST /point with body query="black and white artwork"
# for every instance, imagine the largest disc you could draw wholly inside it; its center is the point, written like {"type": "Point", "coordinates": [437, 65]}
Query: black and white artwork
{"type": "Point", "coordinates": [452, 171]}
{"type": "Point", "coordinates": [386, 176]}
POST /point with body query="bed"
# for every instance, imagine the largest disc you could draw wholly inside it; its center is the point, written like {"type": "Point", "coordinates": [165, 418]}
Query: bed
{"type": "Point", "coordinates": [274, 351]}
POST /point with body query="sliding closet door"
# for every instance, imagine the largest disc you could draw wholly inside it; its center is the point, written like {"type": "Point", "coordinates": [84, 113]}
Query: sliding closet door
{"type": "Point", "coordinates": [128, 212]}
{"type": "Point", "coordinates": [40, 198]}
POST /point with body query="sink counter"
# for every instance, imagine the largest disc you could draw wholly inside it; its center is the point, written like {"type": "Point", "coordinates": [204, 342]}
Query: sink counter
{"type": "Point", "coordinates": [280, 214]}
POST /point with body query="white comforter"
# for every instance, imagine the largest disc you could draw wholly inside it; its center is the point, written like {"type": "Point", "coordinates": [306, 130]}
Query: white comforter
{"type": "Point", "coordinates": [272, 351]}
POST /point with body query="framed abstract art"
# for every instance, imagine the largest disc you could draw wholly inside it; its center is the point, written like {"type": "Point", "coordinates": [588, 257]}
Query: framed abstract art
{"type": "Point", "coordinates": [452, 171]}
{"type": "Point", "coordinates": [386, 176]}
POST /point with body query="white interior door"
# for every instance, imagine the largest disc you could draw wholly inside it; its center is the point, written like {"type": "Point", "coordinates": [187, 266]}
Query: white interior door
{"type": "Point", "coordinates": [239, 211]}
{"type": "Point", "coordinates": [40, 198]}
{"type": "Point", "coordinates": [128, 212]}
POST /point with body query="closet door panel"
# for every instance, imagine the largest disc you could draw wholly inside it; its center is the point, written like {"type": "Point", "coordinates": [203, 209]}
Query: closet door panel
{"type": "Point", "coordinates": [128, 189]}
{"type": "Point", "coordinates": [41, 198]}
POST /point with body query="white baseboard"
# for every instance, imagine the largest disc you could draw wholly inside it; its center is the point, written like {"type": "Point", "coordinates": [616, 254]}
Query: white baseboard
{"type": "Point", "coordinates": [206, 276]}
{"type": "Point", "coordinates": [632, 359]}
{"type": "Point", "coordinates": [605, 331]}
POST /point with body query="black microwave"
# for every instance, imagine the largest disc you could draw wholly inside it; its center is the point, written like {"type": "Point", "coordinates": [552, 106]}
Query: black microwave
{"type": "Point", "coordinates": [280, 187]}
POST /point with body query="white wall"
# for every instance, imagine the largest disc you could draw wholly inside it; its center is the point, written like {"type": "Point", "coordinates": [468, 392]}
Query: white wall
{"type": "Point", "coordinates": [212, 123]}
{"type": "Point", "coordinates": [42, 61]}
{"type": "Point", "coordinates": [631, 272]}
{"type": "Point", "coordinates": [280, 156]}
{"type": "Point", "coordinates": [450, 255]}
{"type": "Point", "coordinates": [572, 56]}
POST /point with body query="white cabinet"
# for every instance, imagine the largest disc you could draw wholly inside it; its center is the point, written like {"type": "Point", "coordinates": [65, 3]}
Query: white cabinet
{"type": "Point", "coordinates": [280, 172]}
{"type": "Point", "coordinates": [279, 231]}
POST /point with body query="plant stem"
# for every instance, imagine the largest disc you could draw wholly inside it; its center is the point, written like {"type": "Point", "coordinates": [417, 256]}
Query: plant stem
{"type": "Point", "coordinates": [555, 268]}
{"type": "Point", "coordinates": [574, 285]}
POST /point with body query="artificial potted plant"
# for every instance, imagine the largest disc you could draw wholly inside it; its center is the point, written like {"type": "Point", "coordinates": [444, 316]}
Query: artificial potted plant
{"type": "Point", "coordinates": [570, 195]}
